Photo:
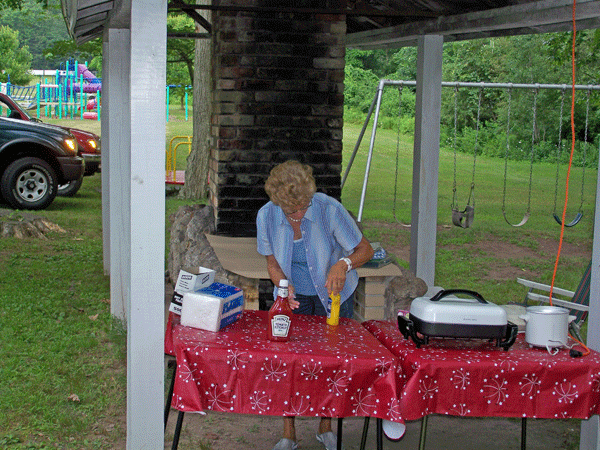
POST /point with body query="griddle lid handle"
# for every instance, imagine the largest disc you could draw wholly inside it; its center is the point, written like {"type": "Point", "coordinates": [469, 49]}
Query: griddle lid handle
{"type": "Point", "coordinates": [445, 293]}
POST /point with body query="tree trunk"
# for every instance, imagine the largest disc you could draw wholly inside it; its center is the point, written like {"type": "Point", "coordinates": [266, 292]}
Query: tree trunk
{"type": "Point", "coordinates": [196, 174]}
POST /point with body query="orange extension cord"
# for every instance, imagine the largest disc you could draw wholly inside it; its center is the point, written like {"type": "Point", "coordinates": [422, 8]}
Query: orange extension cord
{"type": "Point", "coordinates": [564, 213]}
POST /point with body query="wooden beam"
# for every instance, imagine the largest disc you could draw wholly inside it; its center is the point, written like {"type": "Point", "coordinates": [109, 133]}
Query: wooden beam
{"type": "Point", "coordinates": [359, 11]}
{"type": "Point", "coordinates": [180, 4]}
{"type": "Point", "coordinates": [535, 17]}
{"type": "Point", "coordinates": [179, 35]}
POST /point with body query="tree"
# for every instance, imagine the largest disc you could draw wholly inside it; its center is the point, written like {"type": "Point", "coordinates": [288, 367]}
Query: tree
{"type": "Point", "coordinates": [15, 61]}
{"type": "Point", "coordinates": [196, 176]}
{"type": "Point", "coordinates": [39, 27]}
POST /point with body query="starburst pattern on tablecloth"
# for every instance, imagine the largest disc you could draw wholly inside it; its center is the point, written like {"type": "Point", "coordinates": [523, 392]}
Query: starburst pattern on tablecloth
{"type": "Point", "coordinates": [394, 410]}
{"type": "Point", "coordinates": [274, 369]}
{"type": "Point", "coordinates": [219, 398]}
{"type": "Point", "coordinates": [338, 383]}
{"type": "Point", "coordinates": [179, 404]}
{"type": "Point", "coordinates": [184, 372]}
{"type": "Point", "coordinates": [364, 401]}
{"type": "Point", "coordinates": [236, 359]}
{"type": "Point", "coordinates": [427, 387]}
{"type": "Point", "coordinates": [260, 401]}
{"type": "Point", "coordinates": [595, 382]}
{"type": "Point", "coordinates": [461, 378]}
{"type": "Point", "coordinates": [311, 370]}
{"type": "Point", "coordinates": [497, 390]}
{"type": "Point", "coordinates": [298, 405]}
{"type": "Point", "coordinates": [506, 365]}
{"type": "Point", "coordinates": [383, 366]}
{"type": "Point", "coordinates": [345, 356]}
{"type": "Point", "coordinates": [197, 349]}
{"type": "Point", "coordinates": [530, 385]}
{"type": "Point", "coordinates": [460, 409]}
{"type": "Point", "coordinates": [566, 391]}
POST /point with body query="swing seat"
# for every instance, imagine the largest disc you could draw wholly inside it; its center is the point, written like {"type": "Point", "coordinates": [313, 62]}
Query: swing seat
{"type": "Point", "coordinates": [463, 219]}
{"type": "Point", "coordinates": [574, 222]}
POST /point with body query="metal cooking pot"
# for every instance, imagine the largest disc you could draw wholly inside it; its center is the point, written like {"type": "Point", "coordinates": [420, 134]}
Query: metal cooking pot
{"type": "Point", "coordinates": [547, 326]}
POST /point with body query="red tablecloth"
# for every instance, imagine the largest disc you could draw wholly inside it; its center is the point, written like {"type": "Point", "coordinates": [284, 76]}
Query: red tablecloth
{"type": "Point", "coordinates": [338, 371]}
{"type": "Point", "coordinates": [475, 378]}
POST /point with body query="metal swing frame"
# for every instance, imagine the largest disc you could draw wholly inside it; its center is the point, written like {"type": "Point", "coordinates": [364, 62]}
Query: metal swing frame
{"type": "Point", "coordinates": [376, 106]}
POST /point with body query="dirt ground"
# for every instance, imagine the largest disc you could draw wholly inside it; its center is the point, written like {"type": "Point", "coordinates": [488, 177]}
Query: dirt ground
{"type": "Point", "coordinates": [219, 431]}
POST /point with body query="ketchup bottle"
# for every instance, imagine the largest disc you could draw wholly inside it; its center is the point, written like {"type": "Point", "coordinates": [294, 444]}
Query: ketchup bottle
{"type": "Point", "coordinates": [280, 315]}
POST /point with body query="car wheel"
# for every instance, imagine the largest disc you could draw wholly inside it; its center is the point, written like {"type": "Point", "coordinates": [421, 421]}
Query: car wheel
{"type": "Point", "coordinates": [70, 189]}
{"type": "Point", "coordinates": [29, 183]}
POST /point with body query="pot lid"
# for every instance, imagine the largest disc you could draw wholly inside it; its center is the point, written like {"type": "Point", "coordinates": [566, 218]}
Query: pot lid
{"type": "Point", "coordinates": [547, 310]}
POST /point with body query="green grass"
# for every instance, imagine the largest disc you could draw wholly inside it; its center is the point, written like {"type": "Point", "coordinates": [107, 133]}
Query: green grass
{"type": "Point", "coordinates": [58, 337]}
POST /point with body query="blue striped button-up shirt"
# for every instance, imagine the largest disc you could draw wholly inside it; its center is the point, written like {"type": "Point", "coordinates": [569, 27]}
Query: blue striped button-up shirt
{"type": "Point", "coordinates": [329, 233]}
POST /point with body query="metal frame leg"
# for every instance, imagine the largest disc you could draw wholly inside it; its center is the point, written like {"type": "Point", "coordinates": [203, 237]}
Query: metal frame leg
{"type": "Point", "coordinates": [340, 423]}
{"type": "Point", "coordinates": [523, 433]}
{"type": "Point", "coordinates": [363, 440]}
{"type": "Point", "coordinates": [423, 432]}
{"type": "Point", "coordinates": [171, 365]}
{"type": "Point", "coordinates": [379, 433]}
{"type": "Point", "coordinates": [177, 431]}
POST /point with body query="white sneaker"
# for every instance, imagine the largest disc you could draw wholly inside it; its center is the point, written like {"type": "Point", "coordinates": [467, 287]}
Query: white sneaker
{"type": "Point", "coordinates": [286, 444]}
{"type": "Point", "coordinates": [329, 440]}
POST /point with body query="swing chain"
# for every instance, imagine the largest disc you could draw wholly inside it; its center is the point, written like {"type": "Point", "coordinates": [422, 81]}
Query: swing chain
{"type": "Point", "coordinates": [507, 150]}
{"type": "Point", "coordinates": [559, 145]}
{"type": "Point", "coordinates": [453, 206]}
{"type": "Point", "coordinates": [528, 211]}
{"type": "Point", "coordinates": [400, 88]}
{"type": "Point", "coordinates": [476, 149]}
{"type": "Point", "coordinates": [533, 130]}
{"type": "Point", "coordinates": [585, 145]}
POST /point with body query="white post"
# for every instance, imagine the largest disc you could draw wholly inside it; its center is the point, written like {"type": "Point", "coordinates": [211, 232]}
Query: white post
{"type": "Point", "coordinates": [426, 158]}
{"type": "Point", "coordinates": [145, 324]}
{"type": "Point", "coordinates": [590, 429]}
{"type": "Point", "coordinates": [116, 164]}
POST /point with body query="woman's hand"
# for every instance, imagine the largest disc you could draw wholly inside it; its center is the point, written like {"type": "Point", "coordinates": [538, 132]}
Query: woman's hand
{"type": "Point", "coordinates": [292, 298]}
{"type": "Point", "coordinates": [336, 278]}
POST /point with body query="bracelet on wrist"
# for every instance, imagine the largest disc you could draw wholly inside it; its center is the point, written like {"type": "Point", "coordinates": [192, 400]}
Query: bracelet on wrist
{"type": "Point", "coordinates": [348, 262]}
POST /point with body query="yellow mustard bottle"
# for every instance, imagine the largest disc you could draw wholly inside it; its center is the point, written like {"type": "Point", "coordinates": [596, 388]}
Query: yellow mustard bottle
{"type": "Point", "coordinates": [333, 309]}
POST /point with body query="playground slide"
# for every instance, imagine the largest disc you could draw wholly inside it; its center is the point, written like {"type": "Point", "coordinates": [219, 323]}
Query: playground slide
{"type": "Point", "coordinates": [93, 84]}
{"type": "Point", "coordinates": [87, 74]}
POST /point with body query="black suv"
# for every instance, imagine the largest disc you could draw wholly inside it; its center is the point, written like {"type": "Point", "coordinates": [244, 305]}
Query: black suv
{"type": "Point", "coordinates": [88, 142]}
{"type": "Point", "coordinates": [34, 160]}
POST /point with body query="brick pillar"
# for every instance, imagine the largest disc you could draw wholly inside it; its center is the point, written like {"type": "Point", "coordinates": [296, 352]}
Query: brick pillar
{"type": "Point", "coordinates": [278, 95]}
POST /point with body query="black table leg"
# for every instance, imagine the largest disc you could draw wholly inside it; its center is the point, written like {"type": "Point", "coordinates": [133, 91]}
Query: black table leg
{"type": "Point", "coordinates": [177, 430]}
{"type": "Point", "coordinates": [523, 433]}
{"type": "Point", "coordinates": [379, 423]}
{"type": "Point", "coordinates": [423, 433]}
{"type": "Point", "coordinates": [363, 440]}
{"type": "Point", "coordinates": [340, 422]}
{"type": "Point", "coordinates": [170, 365]}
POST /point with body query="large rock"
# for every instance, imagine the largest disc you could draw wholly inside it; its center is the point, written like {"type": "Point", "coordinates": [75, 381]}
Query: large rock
{"type": "Point", "coordinates": [189, 247]}
{"type": "Point", "coordinates": [401, 292]}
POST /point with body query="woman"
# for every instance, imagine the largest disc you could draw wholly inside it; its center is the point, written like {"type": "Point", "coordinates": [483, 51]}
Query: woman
{"type": "Point", "coordinates": [311, 240]}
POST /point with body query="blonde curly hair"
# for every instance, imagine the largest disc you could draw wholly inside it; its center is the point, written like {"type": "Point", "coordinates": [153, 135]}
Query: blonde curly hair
{"type": "Point", "coordinates": [291, 185]}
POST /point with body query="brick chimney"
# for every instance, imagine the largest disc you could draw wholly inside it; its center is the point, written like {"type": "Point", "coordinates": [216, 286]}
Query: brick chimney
{"type": "Point", "coordinates": [278, 95]}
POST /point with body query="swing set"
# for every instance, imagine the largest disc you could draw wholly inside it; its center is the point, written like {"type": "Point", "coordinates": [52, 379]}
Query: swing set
{"type": "Point", "coordinates": [464, 217]}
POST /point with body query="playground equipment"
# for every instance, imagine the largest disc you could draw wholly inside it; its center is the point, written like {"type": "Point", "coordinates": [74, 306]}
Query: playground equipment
{"type": "Point", "coordinates": [174, 176]}
{"type": "Point", "coordinates": [66, 95]}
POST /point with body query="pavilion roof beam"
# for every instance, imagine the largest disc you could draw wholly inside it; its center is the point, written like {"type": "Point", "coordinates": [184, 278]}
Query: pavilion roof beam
{"type": "Point", "coordinates": [361, 10]}
{"type": "Point", "coordinates": [538, 17]}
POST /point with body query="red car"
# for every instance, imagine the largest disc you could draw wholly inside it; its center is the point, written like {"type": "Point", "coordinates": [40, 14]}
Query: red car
{"type": "Point", "coordinates": [89, 143]}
